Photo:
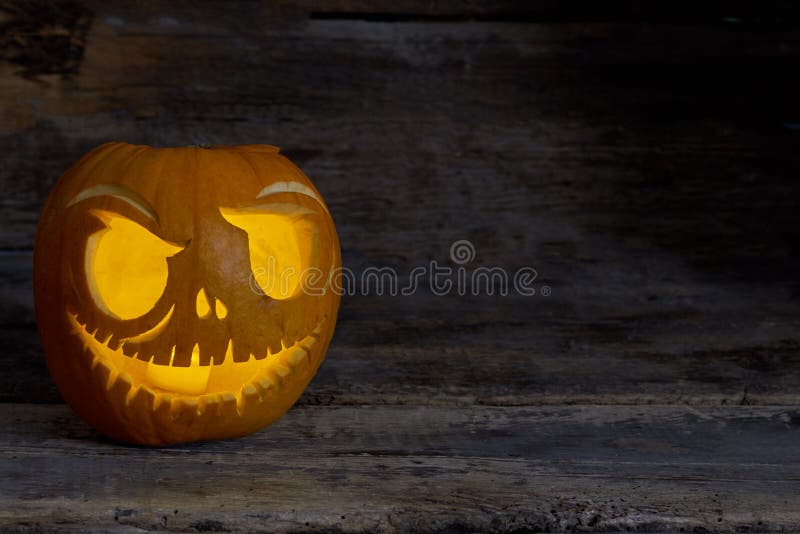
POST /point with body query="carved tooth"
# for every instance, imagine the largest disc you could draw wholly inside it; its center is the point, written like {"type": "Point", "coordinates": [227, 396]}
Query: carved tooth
{"type": "Point", "coordinates": [228, 352]}
{"type": "Point", "coordinates": [161, 407]}
{"type": "Point", "coordinates": [240, 354]}
{"type": "Point", "coordinates": [273, 377]}
{"type": "Point", "coordinates": [175, 409]}
{"type": "Point", "coordinates": [263, 385]}
{"type": "Point", "coordinates": [162, 402]}
{"type": "Point", "coordinates": [181, 358]}
{"type": "Point", "coordinates": [141, 399]}
{"type": "Point", "coordinates": [102, 371]}
{"type": "Point", "coordinates": [208, 403]}
{"type": "Point", "coordinates": [183, 410]}
{"type": "Point", "coordinates": [227, 406]}
{"type": "Point", "coordinates": [76, 332]}
{"type": "Point", "coordinates": [274, 348]}
{"type": "Point", "coordinates": [112, 377]}
{"type": "Point", "coordinates": [277, 372]}
{"type": "Point", "coordinates": [113, 374]}
{"type": "Point", "coordinates": [297, 355]}
{"type": "Point", "coordinates": [308, 342]}
{"type": "Point", "coordinates": [161, 359]}
{"type": "Point", "coordinates": [249, 394]}
{"type": "Point", "coordinates": [121, 387]}
{"type": "Point", "coordinates": [102, 336]}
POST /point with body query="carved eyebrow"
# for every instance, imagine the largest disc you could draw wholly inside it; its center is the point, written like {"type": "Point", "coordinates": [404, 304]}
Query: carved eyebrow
{"type": "Point", "coordinates": [117, 191]}
{"type": "Point", "coordinates": [291, 187]}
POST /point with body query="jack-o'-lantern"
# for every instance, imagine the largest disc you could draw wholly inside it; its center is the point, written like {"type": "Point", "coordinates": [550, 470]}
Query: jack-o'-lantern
{"type": "Point", "coordinates": [184, 294]}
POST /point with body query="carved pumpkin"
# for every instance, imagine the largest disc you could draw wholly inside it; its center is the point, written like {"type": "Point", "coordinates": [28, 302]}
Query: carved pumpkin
{"type": "Point", "coordinates": [184, 293]}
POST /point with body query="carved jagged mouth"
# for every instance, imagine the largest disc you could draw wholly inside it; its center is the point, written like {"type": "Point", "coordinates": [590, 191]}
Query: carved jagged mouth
{"type": "Point", "coordinates": [242, 381]}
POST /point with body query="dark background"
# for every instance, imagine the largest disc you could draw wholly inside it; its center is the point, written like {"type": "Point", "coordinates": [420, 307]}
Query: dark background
{"type": "Point", "coordinates": [644, 160]}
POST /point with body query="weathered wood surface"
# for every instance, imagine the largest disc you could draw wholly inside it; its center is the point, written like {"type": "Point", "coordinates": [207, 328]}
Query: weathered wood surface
{"type": "Point", "coordinates": [608, 144]}
{"type": "Point", "coordinates": [674, 343]}
{"type": "Point", "coordinates": [644, 162]}
{"type": "Point", "coordinates": [408, 469]}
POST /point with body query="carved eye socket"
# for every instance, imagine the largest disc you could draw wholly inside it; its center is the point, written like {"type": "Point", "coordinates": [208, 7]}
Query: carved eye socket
{"type": "Point", "coordinates": [283, 242]}
{"type": "Point", "coordinates": [126, 266]}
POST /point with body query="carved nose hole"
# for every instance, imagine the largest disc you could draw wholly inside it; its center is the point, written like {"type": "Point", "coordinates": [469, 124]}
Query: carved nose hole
{"type": "Point", "coordinates": [201, 304]}
{"type": "Point", "coordinates": [220, 309]}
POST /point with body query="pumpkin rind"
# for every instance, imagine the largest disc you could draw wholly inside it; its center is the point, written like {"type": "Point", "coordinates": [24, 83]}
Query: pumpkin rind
{"type": "Point", "coordinates": [211, 357]}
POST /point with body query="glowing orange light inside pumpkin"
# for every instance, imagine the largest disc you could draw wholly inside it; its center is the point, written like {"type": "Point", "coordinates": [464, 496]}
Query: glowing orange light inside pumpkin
{"type": "Point", "coordinates": [126, 266]}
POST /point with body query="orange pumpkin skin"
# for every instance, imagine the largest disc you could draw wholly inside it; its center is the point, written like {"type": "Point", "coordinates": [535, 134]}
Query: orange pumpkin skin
{"type": "Point", "coordinates": [156, 326]}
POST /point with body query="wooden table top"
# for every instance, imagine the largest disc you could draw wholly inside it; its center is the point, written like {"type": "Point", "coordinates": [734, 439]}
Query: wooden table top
{"type": "Point", "coordinates": [644, 164]}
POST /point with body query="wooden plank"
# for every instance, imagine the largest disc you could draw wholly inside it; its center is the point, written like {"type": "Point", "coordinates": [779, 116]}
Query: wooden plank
{"type": "Point", "coordinates": [477, 469]}
{"type": "Point", "coordinates": [520, 10]}
{"type": "Point", "coordinates": [614, 158]}
{"type": "Point", "coordinates": [559, 126]}
{"type": "Point", "coordinates": [666, 340]}
{"type": "Point", "coordinates": [16, 287]}
{"type": "Point", "coordinates": [647, 171]}
{"type": "Point", "coordinates": [657, 207]}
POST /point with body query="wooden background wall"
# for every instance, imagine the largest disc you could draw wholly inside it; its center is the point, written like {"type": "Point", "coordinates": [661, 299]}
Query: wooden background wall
{"type": "Point", "coordinates": [644, 162]}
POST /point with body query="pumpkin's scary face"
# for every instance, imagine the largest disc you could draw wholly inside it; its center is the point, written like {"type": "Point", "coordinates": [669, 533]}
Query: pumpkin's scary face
{"type": "Point", "coordinates": [184, 293]}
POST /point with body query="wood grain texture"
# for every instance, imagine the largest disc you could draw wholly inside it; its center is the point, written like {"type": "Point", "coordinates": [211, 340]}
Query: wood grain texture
{"type": "Point", "coordinates": [598, 141]}
{"type": "Point", "coordinates": [401, 469]}
{"type": "Point", "coordinates": [584, 344]}
{"type": "Point", "coordinates": [642, 160]}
